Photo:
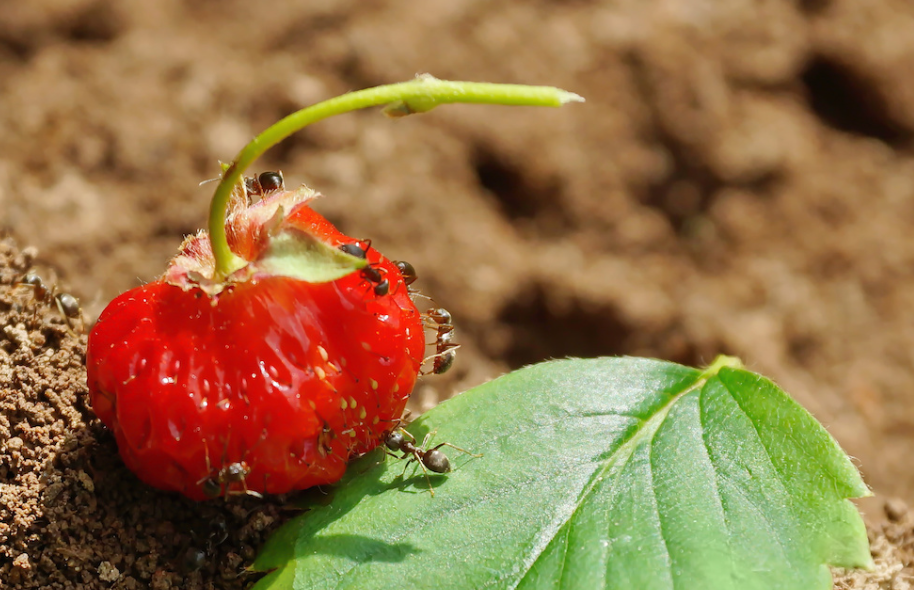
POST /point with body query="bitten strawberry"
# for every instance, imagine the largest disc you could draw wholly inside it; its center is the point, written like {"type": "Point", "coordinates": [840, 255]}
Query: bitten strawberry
{"type": "Point", "coordinates": [270, 379]}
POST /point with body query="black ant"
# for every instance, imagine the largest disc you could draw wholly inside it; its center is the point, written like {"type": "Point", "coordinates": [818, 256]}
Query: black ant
{"type": "Point", "coordinates": [356, 249]}
{"type": "Point", "coordinates": [445, 348]}
{"type": "Point", "coordinates": [271, 181]}
{"type": "Point", "coordinates": [225, 477]}
{"type": "Point", "coordinates": [195, 558]}
{"type": "Point", "coordinates": [370, 273]}
{"type": "Point", "coordinates": [401, 441]}
{"type": "Point", "coordinates": [264, 184]}
{"type": "Point", "coordinates": [374, 276]}
{"type": "Point", "coordinates": [407, 271]}
{"type": "Point", "coordinates": [67, 305]}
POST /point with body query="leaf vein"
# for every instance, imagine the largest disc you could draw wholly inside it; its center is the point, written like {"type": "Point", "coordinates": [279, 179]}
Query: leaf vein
{"type": "Point", "coordinates": [775, 530]}
{"type": "Point", "coordinates": [715, 481]}
{"type": "Point", "coordinates": [650, 466]}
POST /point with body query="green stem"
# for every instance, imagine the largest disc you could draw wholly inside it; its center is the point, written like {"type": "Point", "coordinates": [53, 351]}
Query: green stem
{"type": "Point", "coordinates": [416, 96]}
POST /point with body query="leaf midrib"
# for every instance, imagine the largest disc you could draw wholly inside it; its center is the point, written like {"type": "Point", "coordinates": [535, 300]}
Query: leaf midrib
{"type": "Point", "coordinates": [619, 457]}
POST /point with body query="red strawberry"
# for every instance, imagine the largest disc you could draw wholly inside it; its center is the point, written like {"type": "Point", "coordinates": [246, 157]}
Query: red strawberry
{"type": "Point", "coordinates": [265, 381]}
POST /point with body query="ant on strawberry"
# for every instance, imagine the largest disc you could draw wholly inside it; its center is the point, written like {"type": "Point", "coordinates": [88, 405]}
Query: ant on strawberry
{"type": "Point", "coordinates": [372, 274]}
{"type": "Point", "coordinates": [233, 473]}
{"type": "Point", "coordinates": [67, 305]}
{"type": "Point", "coordinates": [264, 184]}
{"type": "Point", "coordinates": [407, 270]}
{"type": "Point", "coordinates": [445, 348]}
{"type": "Point", "coordinates": [324, 439]}
{"type": "Point", "coordinates": [401, 441]}
{"type": "Point", "coordinates": [356, 249]}
{"type": "Point", "coordinates": [271, 181]}
{"type": "Point", "coordinates": [369, 273]}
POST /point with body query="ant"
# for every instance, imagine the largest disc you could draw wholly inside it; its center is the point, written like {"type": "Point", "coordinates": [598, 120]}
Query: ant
{"type": "Point", "coordinates": [225, 477]}
{"type": "Point", "coordinates": [369, 273]}
{"type": "Point", "coordinates": [445, 348]}
{"type": "Point", "coordinates": [356, 249]}
{"type": "Point", "coordinates": [195, 558]}
{"type": "Point", "coordinates": [410, 276]}
{"type": "Point", "coordinates": [264, 184]}
{"type": "Point", "coordinates": [233, 473]}
{"type": "Point", "coordinates": [407, 271]}
{"type": "Point", "coordinates": [67, 305]}
{"type": "Point", "coordinates": [401, 441]}
{"type": "Point", "coordinates": [373, 275]}
{"type": "Point", "coordinates": [324, 439]}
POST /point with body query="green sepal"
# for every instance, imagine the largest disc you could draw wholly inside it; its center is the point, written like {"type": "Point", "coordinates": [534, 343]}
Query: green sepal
{"type": "Point", "coordinates": [299, 255]}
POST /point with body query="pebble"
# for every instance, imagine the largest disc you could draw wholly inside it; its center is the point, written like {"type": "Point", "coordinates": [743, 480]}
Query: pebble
{"type": "Point", "coordinates": [895, 509]}
{"type": "Point", "coordinates": [107, 572]}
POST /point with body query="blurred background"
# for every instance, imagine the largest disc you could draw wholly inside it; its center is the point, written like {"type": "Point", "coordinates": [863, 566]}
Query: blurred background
{"type": "Point", "coordinates": [740, 180]}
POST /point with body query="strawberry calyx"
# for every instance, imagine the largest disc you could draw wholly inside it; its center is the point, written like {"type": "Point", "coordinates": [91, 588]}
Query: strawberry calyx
{"type": "Point", "coordinates": [264, 244]}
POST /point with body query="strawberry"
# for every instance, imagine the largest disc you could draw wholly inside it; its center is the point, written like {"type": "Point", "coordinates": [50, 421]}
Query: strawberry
{"type": "Point", "coordinates": [266, 380]}
{"type": "Point", "coordinates": [274, 348]}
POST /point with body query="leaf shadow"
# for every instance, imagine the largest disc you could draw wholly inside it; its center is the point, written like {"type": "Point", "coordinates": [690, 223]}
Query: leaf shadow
{"type": "Point", "coordinates": [366, 549]}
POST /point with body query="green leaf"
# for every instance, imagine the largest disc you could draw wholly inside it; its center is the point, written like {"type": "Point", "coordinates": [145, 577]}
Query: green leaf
{"type": "Point", "coordinates": [610, 473]}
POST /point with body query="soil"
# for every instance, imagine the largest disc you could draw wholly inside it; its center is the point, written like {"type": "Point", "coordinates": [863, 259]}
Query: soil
{"type": "Point", "coordinates": [740, 181]}
{"type": "Point", "coordinates": [71, 514]}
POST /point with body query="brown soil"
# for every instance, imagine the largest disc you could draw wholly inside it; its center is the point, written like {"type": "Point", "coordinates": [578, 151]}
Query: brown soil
{"type": "Point", "coordinates": [741, 179]}
{"type": "Point", "coordinates": [892, 546]}
{"type": "Point", "coordinates": [71, 514]}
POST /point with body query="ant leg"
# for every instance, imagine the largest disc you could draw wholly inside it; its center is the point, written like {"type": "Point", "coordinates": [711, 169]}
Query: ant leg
{"type": "Point", "coordinates": [222, 467]}
{"type": "Point", "coordinates": [437, 461]}
{"type": "Point", "coordinates": [406, 465]}
{"type": "Point", "coordinates": [443, 366]}
{"type": "Point", "coordinates": [421, 456]}
{"type": "Point", "coordinates": [455, 447]}
{"type": "Point", "coordinates": [411, 438]}
{"type": "Point", "coordinates": [418, 459]}
{"type": "Point", "coordinates": [244, 486]}
{"type": "Point", "coordinates": [209, 466]}
{"type": "Point", "coordinates": [212, 488]}
{"type": "Point", "coordinates": [66, 318]}
{"type": "Point", "coordinates": [238, 472]}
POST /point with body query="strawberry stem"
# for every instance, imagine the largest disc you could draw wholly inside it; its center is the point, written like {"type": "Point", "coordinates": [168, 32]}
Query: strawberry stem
{"type": "Point", "coordinates": [416, 96]}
